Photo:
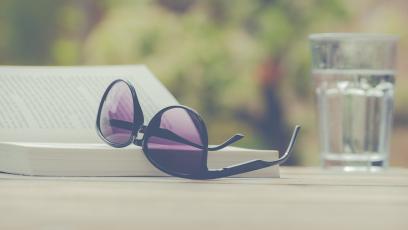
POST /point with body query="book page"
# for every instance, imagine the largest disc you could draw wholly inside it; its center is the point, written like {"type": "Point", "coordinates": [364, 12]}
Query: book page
{"type": "Point", "coordinates": [59, 104]}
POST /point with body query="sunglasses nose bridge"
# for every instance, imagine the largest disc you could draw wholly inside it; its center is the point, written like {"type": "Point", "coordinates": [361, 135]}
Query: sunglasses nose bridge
{"type": "Point", "coordinates": [141, 129]}
{"type": "Point", "coordinates": [139, 135]}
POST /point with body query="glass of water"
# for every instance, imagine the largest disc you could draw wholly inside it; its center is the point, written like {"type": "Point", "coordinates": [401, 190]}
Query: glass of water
{"type": "Point", "coordinates": [354, 77]}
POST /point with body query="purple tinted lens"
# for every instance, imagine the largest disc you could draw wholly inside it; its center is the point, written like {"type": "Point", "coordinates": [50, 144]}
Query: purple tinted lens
{"type": "Point", "coordinates": [117, 114]}
{"type": "Point", "coordinates": [170, 152]}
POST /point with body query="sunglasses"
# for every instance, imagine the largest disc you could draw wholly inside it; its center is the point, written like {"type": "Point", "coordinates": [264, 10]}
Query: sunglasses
{"type": "Point", "coordinates": [175, 141]}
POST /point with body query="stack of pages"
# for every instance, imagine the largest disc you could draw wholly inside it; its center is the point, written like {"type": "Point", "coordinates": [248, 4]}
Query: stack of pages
{"type": "Point", "coordinates": [47, 123]}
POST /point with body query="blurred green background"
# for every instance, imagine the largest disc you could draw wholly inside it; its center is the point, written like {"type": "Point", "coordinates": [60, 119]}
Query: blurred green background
{"type": "Point", "coordinates": [244, 65]}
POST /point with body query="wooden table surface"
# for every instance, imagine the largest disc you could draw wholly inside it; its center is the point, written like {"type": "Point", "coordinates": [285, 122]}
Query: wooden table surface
{"type": "Point", "coordinates": [304, 198]}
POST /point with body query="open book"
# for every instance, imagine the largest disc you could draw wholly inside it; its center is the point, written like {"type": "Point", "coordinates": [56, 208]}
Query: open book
{"type": "Point", "coordinates": [47, 123]}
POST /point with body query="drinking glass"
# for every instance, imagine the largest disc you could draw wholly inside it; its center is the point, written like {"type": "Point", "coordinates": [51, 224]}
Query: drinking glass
{"type": "Point", "coordinates": [354, 77]}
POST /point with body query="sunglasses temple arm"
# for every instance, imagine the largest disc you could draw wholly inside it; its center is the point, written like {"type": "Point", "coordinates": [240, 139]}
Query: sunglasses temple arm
{"type": "Point", "coordinates": [163, 133]}
{"type": "Point", "coordinates": [230, 141]}
{"type": "Point", "coordinates": [172, 136]}
{"type": "Point", "coordinates": [255, 164]}
{"type": "Point", "coordinates": [121, 124]}
{"type": "Point", "coordinates": [167, 134]}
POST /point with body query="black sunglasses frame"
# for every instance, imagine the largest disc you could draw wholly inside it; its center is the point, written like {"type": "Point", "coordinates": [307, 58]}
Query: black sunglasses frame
{"type": "Point", "coordinates": [138, 127]}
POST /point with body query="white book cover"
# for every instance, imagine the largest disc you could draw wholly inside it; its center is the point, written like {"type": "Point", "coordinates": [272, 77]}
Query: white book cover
{"type": "Point", "coordinates": [47, 123]}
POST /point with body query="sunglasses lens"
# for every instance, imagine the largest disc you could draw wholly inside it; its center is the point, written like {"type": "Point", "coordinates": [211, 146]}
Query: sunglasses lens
{"type": "Point", "coordinates": [117, 114]}
{"type": "Point", "coordinates": [169, 144]}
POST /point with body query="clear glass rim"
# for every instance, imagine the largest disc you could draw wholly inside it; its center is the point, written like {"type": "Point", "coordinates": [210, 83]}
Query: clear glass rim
{"type": "Point", "coordinates": [353, 36]}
